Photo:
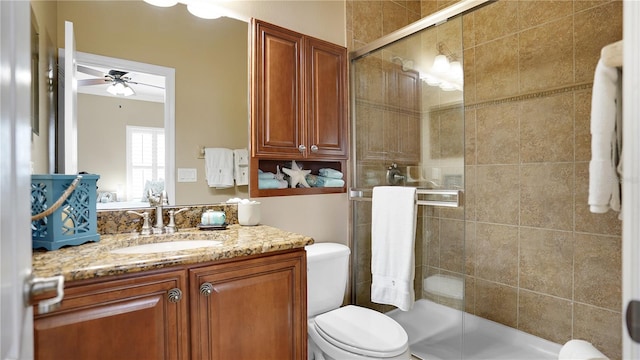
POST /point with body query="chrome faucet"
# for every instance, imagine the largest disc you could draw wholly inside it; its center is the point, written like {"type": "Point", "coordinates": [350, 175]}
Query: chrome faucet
{"type": "Point", "coordinates": [158, 200]}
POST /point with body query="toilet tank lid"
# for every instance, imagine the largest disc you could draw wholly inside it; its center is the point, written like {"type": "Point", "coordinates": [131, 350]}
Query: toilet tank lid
{"type": "Point", "coordinates": [319, 251]}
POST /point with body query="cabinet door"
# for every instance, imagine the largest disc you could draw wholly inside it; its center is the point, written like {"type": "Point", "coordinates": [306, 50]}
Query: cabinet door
{"type": "Point", "coordinates": [326, 81]}
{"type": "Point", "coordinates": [252, 309]}
{"type": "Point", "coordinates": [277, 115]}
{"type": "Point", "coordinates": [118, 319]}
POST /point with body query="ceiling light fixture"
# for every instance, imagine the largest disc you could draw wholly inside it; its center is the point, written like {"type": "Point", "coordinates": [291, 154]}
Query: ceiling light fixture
{"type": "Point", "coordinates": [162, 3]}
{"type": "Point", "coordinates": [119, 88]}
{"type": "Point", "coordinates": [205, 10]}
{"type": "Point", "coordinates": [446, 71]}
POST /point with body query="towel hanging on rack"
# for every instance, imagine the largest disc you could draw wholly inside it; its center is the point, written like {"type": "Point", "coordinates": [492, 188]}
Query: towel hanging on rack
{"type": "Point", "coordinates": [606, 140]}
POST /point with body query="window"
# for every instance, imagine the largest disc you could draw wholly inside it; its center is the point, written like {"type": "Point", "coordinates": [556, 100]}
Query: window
{"type": "Point", "coordinates": [145, 160]}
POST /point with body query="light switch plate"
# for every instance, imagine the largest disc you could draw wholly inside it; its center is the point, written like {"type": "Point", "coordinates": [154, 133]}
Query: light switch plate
{"type": "Point", "coordinates": [187, 175]}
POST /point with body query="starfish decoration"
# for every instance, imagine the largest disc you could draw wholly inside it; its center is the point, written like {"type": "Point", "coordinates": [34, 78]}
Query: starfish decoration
{"type": "Point", "coordinates": [296, 175]}
{"type": "Point", "coordinates": [279, 175]}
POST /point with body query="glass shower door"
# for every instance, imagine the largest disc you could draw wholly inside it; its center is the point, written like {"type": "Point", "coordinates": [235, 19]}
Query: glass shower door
{"type": "Point", "coordinates": [408, 130]}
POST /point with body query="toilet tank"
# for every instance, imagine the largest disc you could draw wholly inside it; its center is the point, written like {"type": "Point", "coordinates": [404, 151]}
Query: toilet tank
{"type": "Point", "coordinates": [327, 271]}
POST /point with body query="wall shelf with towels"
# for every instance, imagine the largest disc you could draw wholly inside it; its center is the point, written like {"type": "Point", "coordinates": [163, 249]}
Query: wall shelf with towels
{"type": "Point", "coordinates": [611, 54]}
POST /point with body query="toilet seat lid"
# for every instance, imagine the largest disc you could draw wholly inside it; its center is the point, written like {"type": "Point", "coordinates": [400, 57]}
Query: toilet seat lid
{"type": "Point", "coordinates": [362, 331]}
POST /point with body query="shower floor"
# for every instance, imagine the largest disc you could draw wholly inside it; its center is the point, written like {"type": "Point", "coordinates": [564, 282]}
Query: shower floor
{"type": "Point", "coordinates": [435, 333]}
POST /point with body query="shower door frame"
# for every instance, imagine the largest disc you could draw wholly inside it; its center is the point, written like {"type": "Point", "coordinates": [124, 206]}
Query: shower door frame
{"type": "Point", "coordinates": [434, 19]}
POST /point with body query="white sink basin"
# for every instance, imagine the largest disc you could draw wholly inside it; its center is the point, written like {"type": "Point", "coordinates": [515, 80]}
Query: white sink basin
{"type": "Point", "coordinates": [167, 246]}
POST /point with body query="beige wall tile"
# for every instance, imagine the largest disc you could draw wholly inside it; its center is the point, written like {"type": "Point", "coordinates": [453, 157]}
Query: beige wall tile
{"type": "Point", "coordinates": [546, 64]}
{"type": "Point", "coordinates": [599, 327]}
{"type": "Point", "coordinates": [545, 316]}
{"type": "Point", "coordinates": [546, 261]}
{"type": "Point", "coordinates": [470, 248]}
{"type": "Point", "coordinates": [495, 21]}
{"type": "Point", "coordinates": [583, 125]}
{"type": "Point", "coordinates": [497, 253]}
{"type": "Point", "coordinates": [452, 245]}
{"type": "Point", "coordinates": [546, 129]}
{"type": "Point", "coordinates": [598, 277]}
{"type": "Point", "coordinates": [452, 133]}
{"type": "Point", "coordinates": [497, 68]}
{"type": "Point", "coordinates": [432, 234]}
{"type": "Point", "coordinates": [498, 194]}
{"type": "Point", "coordinates": [367, 24]}
{"type": "Point", "coordinates": [468, 64]}
{"type": "Point", "coordinates": [582, 5]}
{"type": "Point", "coordinates": [497, 302]}
{"type": "Point", "coordinates": [533, 13]}
{"type": "Point", "coordinates": [469, 195]}
{"type": "Point", "coordinates": [468, 31]}
{"type": "Point", "coordinates": [586, 221]}
{"type": "Point", "coordinates": [594, 29]}
{"type": "Point", "coordinates": [470, 294]}
{"type": "Point", "coordinates": [546, 195]}
{"type": "Point", "coordinates": [394, 16]}
{"type": "Point", "coordinates": [498, 132]}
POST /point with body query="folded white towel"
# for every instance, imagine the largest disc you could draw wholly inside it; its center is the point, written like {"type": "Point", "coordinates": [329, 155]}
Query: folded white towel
{"type": "Point", "coordinates": [219, 167]}
{"type": "Point", "coordinates": [241, 166]}
{"type": "Point", "coordinates": [606, 140]}
{"type": "Point", "coordinates": [393, 225]}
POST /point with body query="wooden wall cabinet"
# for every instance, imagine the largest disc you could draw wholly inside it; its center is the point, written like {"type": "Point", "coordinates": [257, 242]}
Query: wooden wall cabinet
{"type": "Point", "coordinates": [298, 104]}
{"type": "Point", "coordinates": [255, 308]}
{"type": "Point", "coordinates": [299, 96]}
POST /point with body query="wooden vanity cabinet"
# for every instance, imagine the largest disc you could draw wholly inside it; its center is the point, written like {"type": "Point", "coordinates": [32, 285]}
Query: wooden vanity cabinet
{"type": "Point", "coordinates": [253, 309]}
{"type": "Point", "coordinates": [248, 308]}
{"type": "Point", "coordinates": [299, 96]}
{"type": "Point", "coordinates": [129, 318]}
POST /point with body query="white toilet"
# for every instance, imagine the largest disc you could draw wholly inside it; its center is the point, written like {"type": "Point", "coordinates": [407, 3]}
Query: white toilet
{"type": "Point", "coordinates": [350, 332]}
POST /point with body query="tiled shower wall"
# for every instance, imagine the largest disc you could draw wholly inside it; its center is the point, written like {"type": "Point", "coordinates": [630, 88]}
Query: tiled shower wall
{"type": "Point", "coordinates": [536, 258]}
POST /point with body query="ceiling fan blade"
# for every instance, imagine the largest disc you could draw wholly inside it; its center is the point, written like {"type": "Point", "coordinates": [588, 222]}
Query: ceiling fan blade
{"type": "Point", "coordinates": [87, 82]}
{"type": "Point", "coordinates": [137, 83]}
{"type": "Point", "coordinates": [90, 71]}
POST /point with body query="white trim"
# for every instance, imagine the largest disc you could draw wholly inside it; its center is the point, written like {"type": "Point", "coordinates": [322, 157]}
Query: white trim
{"type": "Point", "coordinates": [631, 171]}
{"type": "Point", "coordinates": [169, 106]}
{"type": "Point", "coordinates": [16, 318]}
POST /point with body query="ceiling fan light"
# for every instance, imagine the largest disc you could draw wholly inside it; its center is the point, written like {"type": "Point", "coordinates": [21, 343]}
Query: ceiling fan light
{"type": "Point", "coordinates": [205, 10]}
{"type": "Point", "coordinates": [128, 91]}
{"type": "Point", "coordinates": [111, 89]}
{"type": "Point", "coordinates": [161, 3]}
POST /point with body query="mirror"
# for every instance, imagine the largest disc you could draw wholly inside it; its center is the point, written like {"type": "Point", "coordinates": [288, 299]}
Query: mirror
{"type": "Point", "coordinates": [210, 58]}
{"type": "Point", "coordinates": [138, 120]}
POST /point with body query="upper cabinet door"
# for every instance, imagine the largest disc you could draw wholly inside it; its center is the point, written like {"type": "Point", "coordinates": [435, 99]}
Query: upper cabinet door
{"type": "Point", "coordinates": [326, 99]}
{"type": "Point", "coordinates": [277, 125]}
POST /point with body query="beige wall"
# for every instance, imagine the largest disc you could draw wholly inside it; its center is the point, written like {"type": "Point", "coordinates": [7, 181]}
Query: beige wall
{"type": "Point", "coordinates": [535, 258]}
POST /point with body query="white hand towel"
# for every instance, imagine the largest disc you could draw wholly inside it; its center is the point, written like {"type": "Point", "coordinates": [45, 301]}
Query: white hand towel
{"type": "Point", "coordinates": [241, 166]}
{"type": "Point", "coordinates": [393, 228]}
{"type": "Point", "coordinates": [606, 147]}
{"type": "Point", "coordinates": [219, 167]}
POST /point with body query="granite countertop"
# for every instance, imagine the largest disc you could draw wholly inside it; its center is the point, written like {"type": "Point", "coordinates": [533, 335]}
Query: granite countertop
{"type": "Point", "coordinates": [92, 260]}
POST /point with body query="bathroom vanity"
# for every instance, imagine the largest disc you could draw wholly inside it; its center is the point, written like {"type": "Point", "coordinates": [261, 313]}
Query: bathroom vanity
{"type": "Point", "coordinates": [241, 298]}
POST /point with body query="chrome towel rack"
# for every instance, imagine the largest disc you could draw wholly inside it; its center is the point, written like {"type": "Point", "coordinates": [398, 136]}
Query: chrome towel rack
{"type": "Point", "coordinates": [429, 197]}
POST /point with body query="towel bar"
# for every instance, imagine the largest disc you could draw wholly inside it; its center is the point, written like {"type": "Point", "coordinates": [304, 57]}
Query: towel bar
{"type": "Point", "coordinates": [447, 201]}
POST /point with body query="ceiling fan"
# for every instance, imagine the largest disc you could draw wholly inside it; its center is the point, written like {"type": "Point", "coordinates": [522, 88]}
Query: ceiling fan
{"type": "Point", "coordinates": [118, 81]}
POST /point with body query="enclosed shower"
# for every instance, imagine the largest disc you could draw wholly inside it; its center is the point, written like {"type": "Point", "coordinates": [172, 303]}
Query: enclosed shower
{"type": "Point", "coordinates": [408, 129]}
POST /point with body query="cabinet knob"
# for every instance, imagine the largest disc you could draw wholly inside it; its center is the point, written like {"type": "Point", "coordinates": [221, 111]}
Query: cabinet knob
{"type": "Point", "coordinates": [174, 295]}
{"type": "Point", "coordinates": [302, 148]}
{"type": "Point", "coordinates": [206, 289]}
{"type": "Point", "coordinates": [314, 148]}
